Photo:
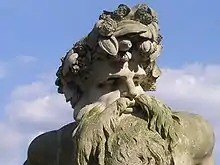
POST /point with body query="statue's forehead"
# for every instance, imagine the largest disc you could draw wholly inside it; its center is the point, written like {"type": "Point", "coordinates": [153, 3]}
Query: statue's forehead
{"type": "Point", "coordinates": [110, 67]}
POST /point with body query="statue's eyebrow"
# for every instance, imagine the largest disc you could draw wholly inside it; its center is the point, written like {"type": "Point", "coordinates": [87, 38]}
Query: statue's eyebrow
{"type": "Point", "coordinates": [114, 77]}
{"type": "Point", "coordinates": [140, 71]}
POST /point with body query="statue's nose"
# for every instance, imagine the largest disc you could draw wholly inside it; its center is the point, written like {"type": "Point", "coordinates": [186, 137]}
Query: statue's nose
{"type": "Point", "coordinates": [131, 87]}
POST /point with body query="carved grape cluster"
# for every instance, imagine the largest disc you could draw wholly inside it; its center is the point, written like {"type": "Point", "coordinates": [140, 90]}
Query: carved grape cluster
{"type": "Point", "coordinates": [143, 15]}
{"type": "Point", "coordinates": [106, 26]}
{"type": "Point", "coordinates": [83, 58]}
{"type": "Point", "coordinates": [121, 12]}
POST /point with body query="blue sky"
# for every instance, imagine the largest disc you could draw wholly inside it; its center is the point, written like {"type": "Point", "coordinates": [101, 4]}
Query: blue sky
{"type": "Point", "coordinates": [46, 29]}
{"type": "Point", "coordinates": [35, 34]}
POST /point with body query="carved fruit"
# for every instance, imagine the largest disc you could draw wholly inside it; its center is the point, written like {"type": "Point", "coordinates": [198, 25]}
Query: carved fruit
{"type": "Point", "coordinates": [148, 48]}
{"type": "Point", "coordinates": [109, 45]}
{"type": "Point", "coordinates": [126, 57]}
{"type": "Point", "coordinates": [125, 45]}
{"type": "Point", "coordinates": [145, 47]}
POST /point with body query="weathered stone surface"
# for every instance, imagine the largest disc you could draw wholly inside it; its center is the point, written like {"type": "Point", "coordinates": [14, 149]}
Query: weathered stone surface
{"type": "Point", "coordinates": [105, 77]}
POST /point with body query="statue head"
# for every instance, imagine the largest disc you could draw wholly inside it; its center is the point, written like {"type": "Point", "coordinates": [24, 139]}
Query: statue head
{"type": "Point", "coordinates": [116, 59]}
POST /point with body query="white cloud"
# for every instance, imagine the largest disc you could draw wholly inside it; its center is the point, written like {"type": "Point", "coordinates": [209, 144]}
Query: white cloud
{"type": "Point", "coordinates": [38, 104]}
{"type": "Point", "coordinates": [33, 108]}
{"type": "Point", "coordinates": [36, 107]}
{"type": "Point", "coordinates": [30, 91]}
{"type": "Point", "coordinates": [10, 143]}
{"type": "Point", "coordinates": [198, 85]}
{"type": "Point", "coordinates": [12, 135]}
{"type": "Point", "coordinates": [46, 110]}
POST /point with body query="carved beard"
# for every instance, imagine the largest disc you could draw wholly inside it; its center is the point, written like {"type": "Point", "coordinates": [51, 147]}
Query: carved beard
{"type": "Point", "coordinates": [111, 136]}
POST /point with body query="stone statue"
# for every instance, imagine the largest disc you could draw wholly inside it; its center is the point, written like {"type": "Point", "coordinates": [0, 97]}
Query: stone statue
{"type": "Point", "coordinates": [105, 77]}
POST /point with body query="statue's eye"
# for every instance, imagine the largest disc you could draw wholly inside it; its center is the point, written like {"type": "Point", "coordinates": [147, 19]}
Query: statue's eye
{"type": "Point", "coordinates": [111, 81]}
{"type": "Point", "coordinates": [138, 80]}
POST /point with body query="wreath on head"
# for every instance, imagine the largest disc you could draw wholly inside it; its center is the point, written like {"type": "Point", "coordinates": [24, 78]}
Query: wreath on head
{"type": "Point", "coordinates": [120, 34]}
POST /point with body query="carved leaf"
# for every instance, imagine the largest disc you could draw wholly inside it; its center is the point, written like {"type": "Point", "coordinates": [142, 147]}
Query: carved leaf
{"type": "Point", "coordinates": [146, 34]}
{"type": "Point", "coordinates": [128, 27]}
{"type": "Point", "coordinates": [109, 45]}
{"type": "Point", "coordinates": [154, 30]}
{"type": "Point", "coordinates": [156, 54]}
{"type": "Point", "coordinates": [156, 72]}
{"type": "Point", "coordinates": [126, 22]}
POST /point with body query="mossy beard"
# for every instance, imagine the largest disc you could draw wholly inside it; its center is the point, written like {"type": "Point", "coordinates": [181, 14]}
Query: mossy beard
{"type": "Point", "coordinates": [112, 136]}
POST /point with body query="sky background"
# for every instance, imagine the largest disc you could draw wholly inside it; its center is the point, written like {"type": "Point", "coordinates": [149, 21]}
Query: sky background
{"type": "Point", "coordinates": [35, 34]}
